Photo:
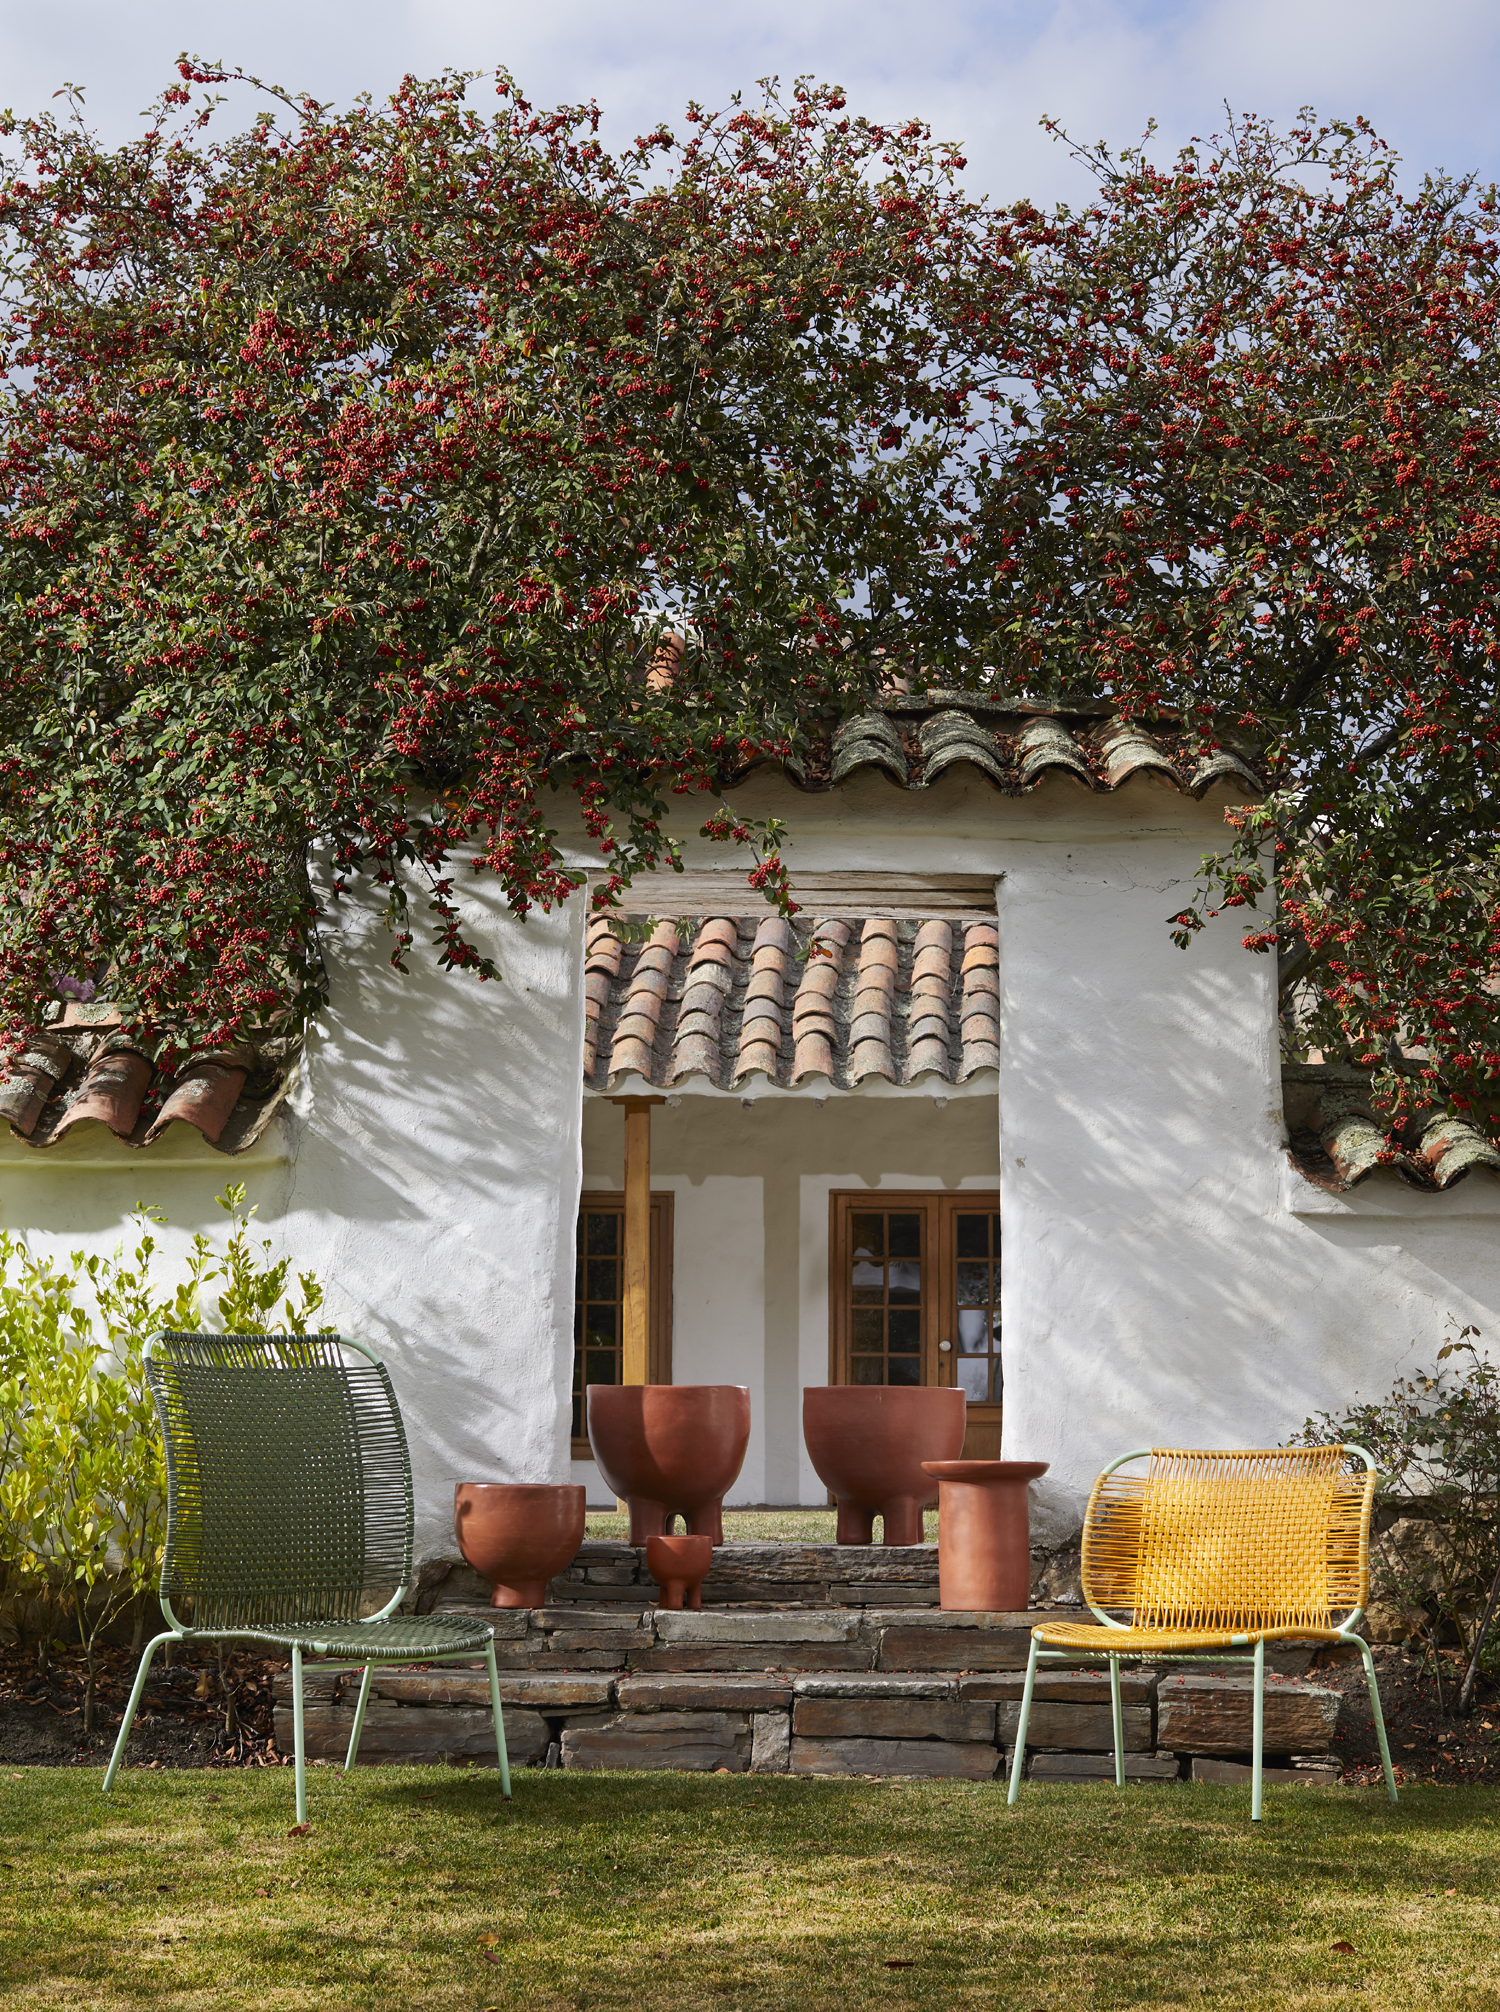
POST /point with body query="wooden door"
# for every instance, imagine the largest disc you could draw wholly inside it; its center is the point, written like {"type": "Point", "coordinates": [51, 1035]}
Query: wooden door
{"type": "Point", "coordinates": [914, 1298]}
{"type": "Point", "coordinates": [599, 1299]}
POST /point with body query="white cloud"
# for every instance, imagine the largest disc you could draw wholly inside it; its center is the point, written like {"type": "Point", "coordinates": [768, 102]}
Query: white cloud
{"type": "Point", "coordinates": [982, 73]}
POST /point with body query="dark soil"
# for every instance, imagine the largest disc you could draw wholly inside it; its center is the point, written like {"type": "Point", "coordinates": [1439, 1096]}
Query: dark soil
{"type": "Point", "coordinates": [181, 1721]}
{"type": "Point", "coordinates": [1426, 1744]}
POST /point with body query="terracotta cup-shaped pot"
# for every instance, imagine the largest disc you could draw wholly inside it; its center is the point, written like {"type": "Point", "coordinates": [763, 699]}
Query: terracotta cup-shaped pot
{"type": "Point", "coordinates": [868, 1443]}
{"type": "Point", "coordinates": [679, 1566]}
{"type": "Point", "coordinates": [984, 1533]}
{"type": "Point", "coordinates": [518, 1534]}
{"type": "Point", "coordinates": [670, 1449]}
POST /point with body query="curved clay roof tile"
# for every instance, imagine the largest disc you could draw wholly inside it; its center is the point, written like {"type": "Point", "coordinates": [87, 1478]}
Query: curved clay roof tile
{"type": "Point", "coordinates": [1129, 750]}
{"type": "Point", "coordinates": [601, 967]}
{"type": "Point", "coordinates": [814, 1009]}
{"type": "Point", "coordinates": [32, 1080]}
{"type": "Point", "coordinates": [1046, 747]}
{"type": "Point", "coordinates": [868, 741]}
{"type": "Point", "coordinates": [1451, 1148]}
{"type": "Point", "coordinates": [979, 1012]}
{"type": "Point", "coordinates": [927, 1026]}
{"type": "Point", "coordinates": [874, 995]}
{"type": "Point", "coordinates": [759, 1049]}
{"type": "Point", "coordinates": [948, 738]}
{"type": "Point", "coordinates": [111, 1092]}
{"type": "Point", "coordinates": [633, 1049]}
{"type": "Point", "coordinates": [204, 1094]}
{"type": "Point", "coordinates": [710, 977]}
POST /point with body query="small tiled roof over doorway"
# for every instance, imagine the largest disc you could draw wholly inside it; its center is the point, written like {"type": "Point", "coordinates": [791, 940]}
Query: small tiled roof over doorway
{"type": "Point", "coordinates": [736, 999]}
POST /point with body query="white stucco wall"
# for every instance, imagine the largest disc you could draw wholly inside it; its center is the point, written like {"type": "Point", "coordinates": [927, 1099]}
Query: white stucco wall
{"type": "Point", "coordinates": [426, 1168]}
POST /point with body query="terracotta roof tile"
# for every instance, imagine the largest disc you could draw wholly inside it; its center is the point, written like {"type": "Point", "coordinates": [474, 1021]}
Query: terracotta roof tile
{"type": "Point", "coordinates": [1339, 1141]}
{"type": "Point", "coordinates": [82, 1070]}
{"type": "Point", "coordinates": [744, 999]}
{"type": "Point", "coordinates": [1015, 745]}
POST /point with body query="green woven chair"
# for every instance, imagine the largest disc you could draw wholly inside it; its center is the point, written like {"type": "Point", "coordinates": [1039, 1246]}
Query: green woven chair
{"type": "Point", "coordinates": [289, 1515]}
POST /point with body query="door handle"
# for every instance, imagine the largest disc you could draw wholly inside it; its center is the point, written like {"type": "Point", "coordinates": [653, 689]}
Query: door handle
{"type": "Point", "coordinates": [944, 1347]}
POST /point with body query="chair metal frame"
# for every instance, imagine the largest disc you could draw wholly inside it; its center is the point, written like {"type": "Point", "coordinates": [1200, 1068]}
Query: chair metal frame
{"type": "Point", "coordinates": [304, 1598]}
{"type": "Point", "coordinates": [1206, 1607]}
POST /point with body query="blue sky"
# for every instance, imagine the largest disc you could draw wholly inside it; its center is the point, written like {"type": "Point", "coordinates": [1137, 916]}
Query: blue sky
{"type": "Point", "coordinates": [1428, 75]}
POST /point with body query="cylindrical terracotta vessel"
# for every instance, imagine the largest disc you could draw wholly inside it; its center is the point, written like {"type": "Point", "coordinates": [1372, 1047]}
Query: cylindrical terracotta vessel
{"type": "Point", "coordinates": [679, 1566]}
{"type": "Point", "coordinates": [868, 1443]}
{"type": "Point", "coordinates": [670, 1449]}
{"type": "Point", "coordinates": [984, 1533]}
{"type": "Point", "coordinates": [518, 1534]}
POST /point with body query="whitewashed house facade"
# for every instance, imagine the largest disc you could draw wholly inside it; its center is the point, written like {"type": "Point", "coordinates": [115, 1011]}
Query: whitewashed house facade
{"type": "Point", "coordinates": [1074, 1145]}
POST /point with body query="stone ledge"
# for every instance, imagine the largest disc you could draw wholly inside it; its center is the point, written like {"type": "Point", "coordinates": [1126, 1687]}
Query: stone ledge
{"type": "Point", "coordinates": [934, 1758]}
{"type": "Point", "coordinates": [1101, 1767]}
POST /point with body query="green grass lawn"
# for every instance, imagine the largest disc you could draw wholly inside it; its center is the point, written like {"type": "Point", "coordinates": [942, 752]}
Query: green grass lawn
{"type": "Point", "coordinates": [415, 1890]}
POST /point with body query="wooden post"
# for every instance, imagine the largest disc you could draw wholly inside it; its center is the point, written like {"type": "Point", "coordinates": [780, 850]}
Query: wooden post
{"type": "Point", "coordinates": [635, 1365]}
{"type": "Point", "coordinates": [636, 1352]}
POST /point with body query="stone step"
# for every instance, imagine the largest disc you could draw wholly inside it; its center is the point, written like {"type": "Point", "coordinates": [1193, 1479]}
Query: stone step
{"type": "Point", "coordinates": [607, 1573]}
{"type": "Point", "coordinates": [754, 1638]}
{"type": "Point", "coordinates": [958, 1723]}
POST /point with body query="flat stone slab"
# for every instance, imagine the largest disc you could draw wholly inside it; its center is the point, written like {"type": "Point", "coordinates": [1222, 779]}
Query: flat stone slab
{"type": "Point", "coordinates": [1314, 1775]}
{"type": "Point", "coordinates": [934, 1758]}
{"type": "Point", "coordinates": [728, 1691]}
{"type": "Point", "coordinates": [700, 1742]}
{"type": "Point", "coordinates": [675, 1629]}
{"type": "Point", "coordinates": [892, 1719]}
{"type": "Point", "coordinates": [1214, 1715]}
{"type": "Point", "coordinates": [558, 1692]}
{"type": "Point", "coordinates": [1079, 1728]}
{"type": "Point", "coordinates": [875, 1684]}
{"type": "Point", "coordinates": [768, 1658]}
{"type": "Point", "coordinates": [1083, 1687]}
{"type": "Point", "coordinates": [910, 1647]}
{"type": "Point", "coordinates": [1101, 1767]}
{"type": "Point", "coordinates": [400, 1733]}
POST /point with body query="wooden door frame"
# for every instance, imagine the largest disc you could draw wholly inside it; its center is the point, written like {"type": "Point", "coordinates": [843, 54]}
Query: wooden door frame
{"type": "Point", "coordinates": [939, 1208]}
{"type": "Point", "coordinates": [660, 1358]}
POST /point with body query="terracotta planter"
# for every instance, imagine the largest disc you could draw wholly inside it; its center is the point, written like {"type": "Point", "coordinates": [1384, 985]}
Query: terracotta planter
{"type": "Point", "coordinates": [679, 1566]}
{"type": "Point", "coordinates": [984, 1533]}
{"type": "Point", "coordinates": [518, 1534]}
{"type": "Point", "coordinates": [868, 1443]}
{"type": "Point", "coordinates": [670, 1449]}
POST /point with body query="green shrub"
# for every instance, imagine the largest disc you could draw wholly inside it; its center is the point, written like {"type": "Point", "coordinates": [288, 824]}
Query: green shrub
{"type": "Point", "coordinates": [1436, 1441]}
{"type": "Point", "coordinates": [82, 1478]}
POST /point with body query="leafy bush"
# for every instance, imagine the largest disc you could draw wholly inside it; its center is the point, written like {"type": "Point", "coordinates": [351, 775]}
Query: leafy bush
{"type": "Point", "coordinates": [1436, 1440]}
{"type": "Point", "coordinates": [82, 1477]}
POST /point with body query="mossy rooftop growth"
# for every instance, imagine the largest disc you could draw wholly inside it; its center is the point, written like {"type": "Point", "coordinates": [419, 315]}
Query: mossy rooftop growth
{"type": "Point", "coordinates": [671, 1893]}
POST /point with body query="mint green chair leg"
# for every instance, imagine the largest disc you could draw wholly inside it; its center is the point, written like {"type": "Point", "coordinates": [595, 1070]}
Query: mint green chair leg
{"type": "Point", "coordinates": [1117, 1712]}
{"type": "Point", "coordinates": [299, 1765]}
{"type": "Point", "coordinates": [500, 1754]}
{"type": "Point", "coordinates": [135, 1698]}
{"type": "Point", "coordinates": [1258, 1734]}
{"type": "Point", "coordinates": [1018, 1756]}
{"type": "Point", "coordinates": [1378, 1715]}
{"type": "Point", "coordinates": [359, 1717]}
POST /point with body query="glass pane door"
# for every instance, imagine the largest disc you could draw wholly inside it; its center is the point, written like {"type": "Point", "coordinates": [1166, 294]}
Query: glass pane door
{"type": "Point", "coordinates": [884, 1287]}
{"type": "Point", "coordinates": [976, 1281]}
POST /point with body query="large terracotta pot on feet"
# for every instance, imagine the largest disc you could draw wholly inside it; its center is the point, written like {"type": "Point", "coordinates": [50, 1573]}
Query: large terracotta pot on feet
{"type": "Point", "coordinates": [670, 1449]}
{"type": "Point", "coordinates": [868, 1442]}
{"type": "Point", "coordinates": [679, 1566]}
{"type": "Point", "coordinates": [518, 1534]}
{"type": "Point", "coordinates": [984, 1533]}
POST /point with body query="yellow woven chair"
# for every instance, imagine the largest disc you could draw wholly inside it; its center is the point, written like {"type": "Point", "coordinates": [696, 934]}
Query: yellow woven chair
{"type": "Point", "coordinates": [1213, 1554]}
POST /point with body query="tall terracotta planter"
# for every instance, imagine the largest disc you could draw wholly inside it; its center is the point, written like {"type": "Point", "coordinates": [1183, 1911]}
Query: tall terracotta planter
{"type": "Point", "coordinates": [670, 1449]}
{"type": "Point", "coordinates": [984, 1533]}
{"type": "Point", "coordinates": [868, 1443]}
{"type": "Point", "coordinates": [518, 1534]}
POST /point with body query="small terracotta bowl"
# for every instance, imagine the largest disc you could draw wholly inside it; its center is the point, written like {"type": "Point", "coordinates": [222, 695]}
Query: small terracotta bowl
{"type": "Point", "coordinates": [679, 1566]}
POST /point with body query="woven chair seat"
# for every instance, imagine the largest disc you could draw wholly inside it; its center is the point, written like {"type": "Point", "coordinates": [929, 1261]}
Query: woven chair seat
{"type": "Point", "coordinates": [1086, 1640]}
{"type": "Point", "coordinates": [399, 1640]}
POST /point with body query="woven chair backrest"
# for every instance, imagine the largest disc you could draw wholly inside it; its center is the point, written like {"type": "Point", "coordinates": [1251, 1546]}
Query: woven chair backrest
{"type": "Point", "coordinates": [1261, 1539]}
{"type": "Point", "coordinates": [289, 1493]}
